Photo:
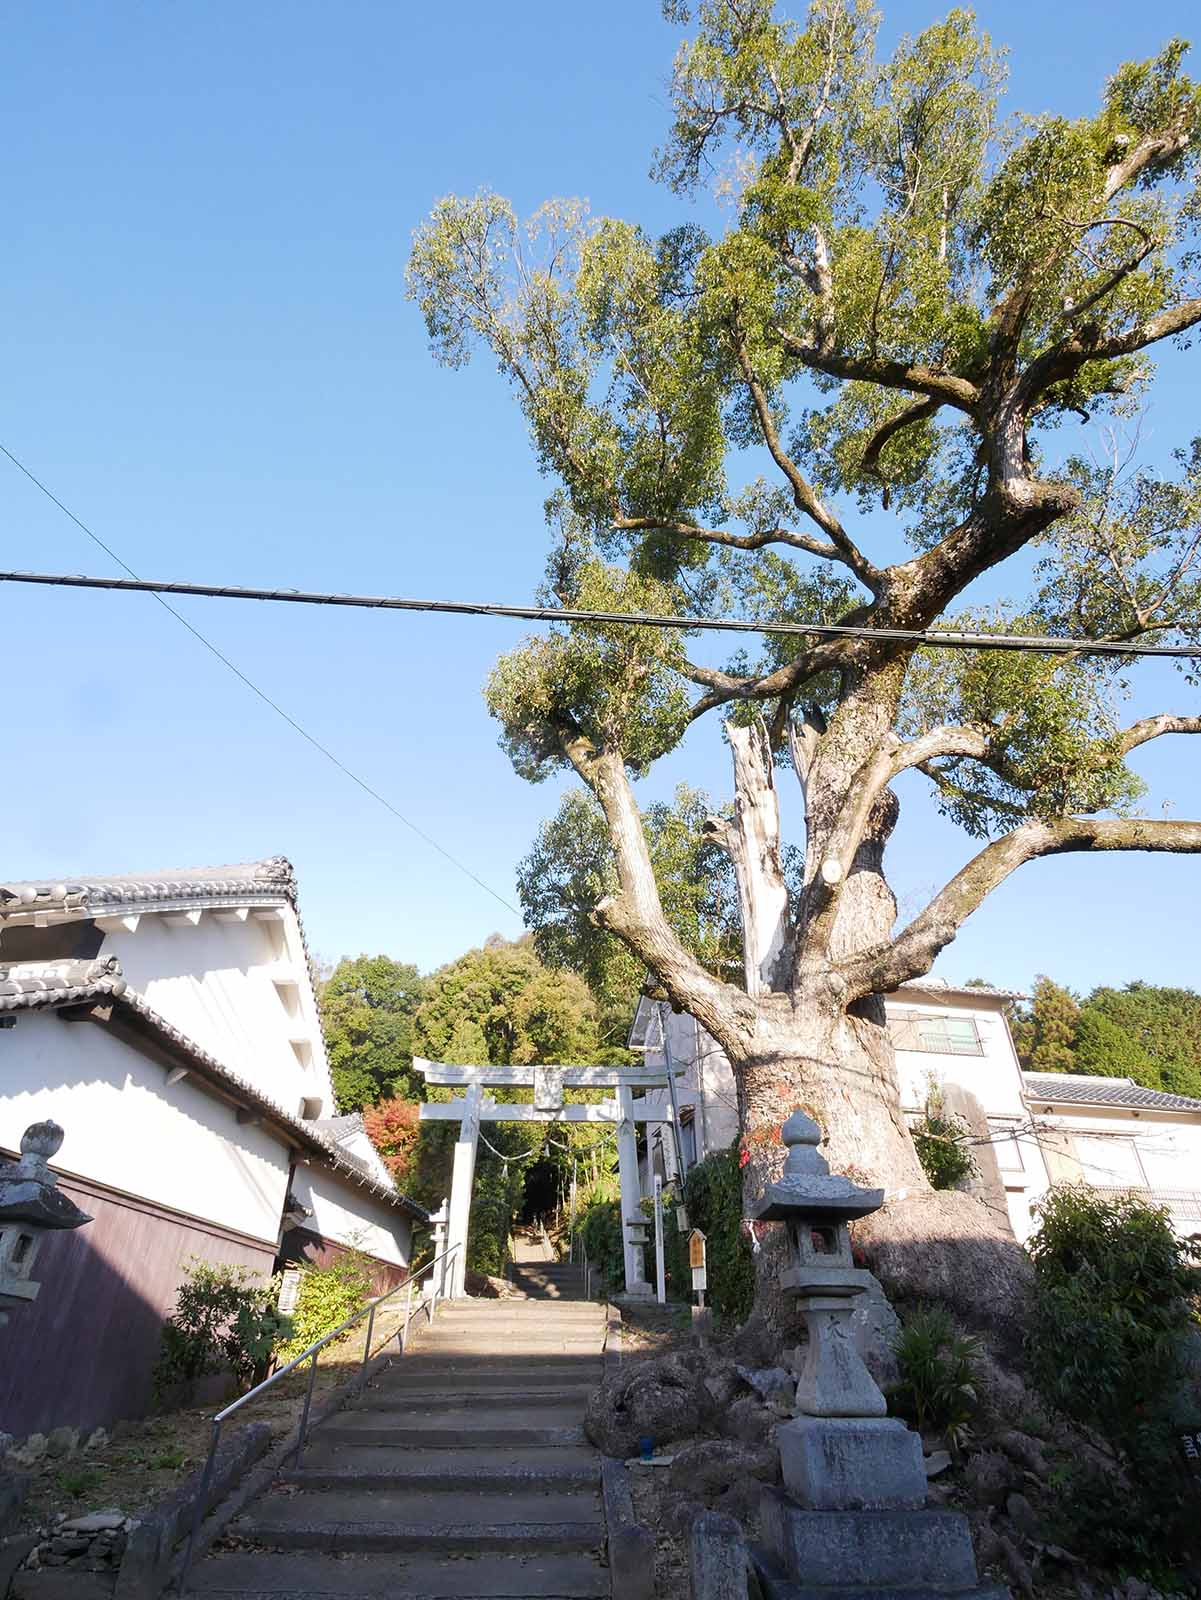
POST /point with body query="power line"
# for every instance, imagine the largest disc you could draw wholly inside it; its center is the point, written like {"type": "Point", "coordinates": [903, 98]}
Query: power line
{"type": "Point", "coordinates": [938, 639]}
{"type": "Point", "coordinates": [133, 581]}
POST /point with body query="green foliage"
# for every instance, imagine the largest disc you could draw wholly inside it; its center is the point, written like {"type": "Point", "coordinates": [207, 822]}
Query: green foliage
{"type": "Point", "coordinates": [326, 1297]}
{"type": "Point", "coordinates": [713, 1195]}
{"type": "Point", "coordinates": [1111, 1303]}
{"type": "Point", "coordinates": [225, 1320]}
{"type": "Point", "coordinates": [496, 1199]}
{"type": "Point", "coordinates": [1145, 1526]}
{"type": "Point", "coordinates": [502, 1001]}
{"type": "Point", "coordinates": [1165, 1023]}
{"type": "Point", "coordinates": [601, 1228]}
{"type": "Point", "coordinates": [936, 1390]}
{"type": "Point", "coordinates": [889, 232]}
{"type": "Point", "coordinates": [943, 1143]}
{"type": "Point", "coordinates": [368, 1004]}
{"type": "Point", "coordinates": [1142, 1031]}
{"type": "Point", "coordinates": [1104, 1049]}
{"type": "Point", "coordinates": [570, 868]}
{"type": "Point", "coordinates": [1045, 1031]}
{"type": "Point", "coordinates": [1052, 724]}
{"type": "Point", "coordinates": [612, 685]}
{"type": "Point", "coordinates": [1110, 1308]}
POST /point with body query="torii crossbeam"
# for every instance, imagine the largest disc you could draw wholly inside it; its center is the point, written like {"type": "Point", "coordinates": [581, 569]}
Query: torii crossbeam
{"type": "Point", "coordinates": [548, 1082]}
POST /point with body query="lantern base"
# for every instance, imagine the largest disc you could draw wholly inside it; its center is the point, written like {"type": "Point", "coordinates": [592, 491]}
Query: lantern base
{"type": "Point", "coordinates": [852, 1464]}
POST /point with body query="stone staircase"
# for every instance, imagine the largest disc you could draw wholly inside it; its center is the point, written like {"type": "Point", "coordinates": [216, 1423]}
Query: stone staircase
{"type": "Point", "coordinates": [461, 1471]}
{"type": "Point", "coordinates": [548, 1280]}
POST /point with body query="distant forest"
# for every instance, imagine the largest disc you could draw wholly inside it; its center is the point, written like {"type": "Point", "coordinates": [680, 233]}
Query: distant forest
{"type": "Point", "coordinates": [1142, 1031]}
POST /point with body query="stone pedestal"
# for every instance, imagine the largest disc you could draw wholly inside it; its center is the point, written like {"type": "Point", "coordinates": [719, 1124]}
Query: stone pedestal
{"type": "Point", "coordinates": [852, 1464]}
{"type": "Point", "coordinates": [874, 1550]}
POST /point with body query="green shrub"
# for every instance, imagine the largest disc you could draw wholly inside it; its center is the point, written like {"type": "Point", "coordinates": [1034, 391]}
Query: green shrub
{"type": "Point", "coordinates": [1109, 1312]}
{"type": "Point", "coordinates": [942, 1141]}
{"type": "Point", "coordinates": [225, 1320]}
{"type": "Point", "coordinates": [600, 1228]}
{"type": "Point", "coordinates": [714, 1199]}
{"type": "Point", "coordinates": [937, 1387]}
{"type": "Point", "coordinates": [325, 1297]}
{"type": "Point", "coordinates": [1111, 1306]}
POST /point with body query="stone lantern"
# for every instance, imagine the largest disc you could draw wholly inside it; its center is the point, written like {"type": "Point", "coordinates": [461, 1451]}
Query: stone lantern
{"type": "Point", "coordinates": [843, 1451]}
{"type": "Point", "coordinates": [31, 1205]}
{"type": "Point", "coordinates": [854, 1520]}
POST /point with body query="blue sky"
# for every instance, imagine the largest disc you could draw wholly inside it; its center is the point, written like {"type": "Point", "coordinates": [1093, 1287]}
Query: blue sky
{"type": "Point", "coordinates": [208, 356]}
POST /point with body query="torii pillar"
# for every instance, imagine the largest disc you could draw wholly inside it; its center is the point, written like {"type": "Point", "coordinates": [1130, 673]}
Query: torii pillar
{"type": "Point", "coordinates": [462, 1181]}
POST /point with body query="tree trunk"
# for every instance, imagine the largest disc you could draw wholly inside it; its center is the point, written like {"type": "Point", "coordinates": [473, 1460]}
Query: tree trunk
{"type": "Point", "coordinates": [805, 1047]}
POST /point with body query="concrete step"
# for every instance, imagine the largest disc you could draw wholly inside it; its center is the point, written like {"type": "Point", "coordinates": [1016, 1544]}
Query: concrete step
{"type": "Point", "coordinates": [332, 1466]}
{"type": "Point", "coordinates": [436, 1398]}
{"type": "Point", "coordinates": [489, 1349]}
{"type": "Point", "coordinates": [463, 1429]}
{"type": "Point", "coordinates": [543, 1314]}
{"type": "Point", "coordinates": [258, 1575]}
{"type": "Point", "coordinates": [425, 1372]}
{"type": "Point", "coordinates": [519, 1310]}
{"type": "Point", "coordinates": [450, 1520]}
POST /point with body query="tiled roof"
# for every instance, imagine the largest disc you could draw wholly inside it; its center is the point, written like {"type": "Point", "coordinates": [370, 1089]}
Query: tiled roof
{"type": "Point", "coordinates": [344, 1127]}
{"type": "Point", "coordinates": [1067, 1088]}
{"type": "Point", "coordinates": [960, 990]}
{"type": "Point", "coordinates": [56, 983]}
{"type": "Point", "coordinates": [50, 985]}
{"type": "Point", "coordinates": [107, 893]}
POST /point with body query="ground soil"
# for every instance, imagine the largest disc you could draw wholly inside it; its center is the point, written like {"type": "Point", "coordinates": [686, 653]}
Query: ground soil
{"type": "Point", "coordinates": [142, 1461]}
{"type": "Point", "coordinates": [647, 1486]}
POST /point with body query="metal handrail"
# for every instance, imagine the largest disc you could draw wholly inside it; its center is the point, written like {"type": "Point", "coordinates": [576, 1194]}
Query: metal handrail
{"type": "Point", "coordinates": [310, 1355]}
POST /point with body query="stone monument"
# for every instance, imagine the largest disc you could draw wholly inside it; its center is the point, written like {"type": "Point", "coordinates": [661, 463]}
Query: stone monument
{"type": "Point", "coordinates": [853, 1519]}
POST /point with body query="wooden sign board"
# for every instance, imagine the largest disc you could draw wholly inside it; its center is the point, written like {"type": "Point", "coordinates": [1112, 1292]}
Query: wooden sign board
{"type": "Point", "coordinates": [700, 1279]}
{"type": "Point", "coordinates": [1189, 1445]}
{"type": "Point", "coordinates": [696, 1249]}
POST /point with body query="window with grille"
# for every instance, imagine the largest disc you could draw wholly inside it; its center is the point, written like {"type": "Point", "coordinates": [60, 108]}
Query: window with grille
{"type": "Point", "coordinates": [946, 1036]}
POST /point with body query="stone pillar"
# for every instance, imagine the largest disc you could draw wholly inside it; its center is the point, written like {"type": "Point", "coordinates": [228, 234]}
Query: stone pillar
{"type": "Point", "coordinates": [462, 1179]}
{"type": "Point", "coordinates": [631, 1191]}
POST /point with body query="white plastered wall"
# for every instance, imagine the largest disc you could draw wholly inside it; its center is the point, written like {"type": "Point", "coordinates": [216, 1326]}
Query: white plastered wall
{"type": "Point", "coordinates": [238, 988]}
{"type": "Point", "coordinates": [706, 1083]}
{"type": "Point", "coordinates": [1159, 1151]}
{"type": "Point", "coordinates": [346, 1214]}
{"type": "Point", "coordinates": [125, 1127]}
{"type": "Point", "coordinates": [994, 1078]}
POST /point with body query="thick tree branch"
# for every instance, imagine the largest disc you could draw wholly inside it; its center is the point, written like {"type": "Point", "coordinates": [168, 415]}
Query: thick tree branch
{"type": "Point", "coordinates": [635, 913]}
{"type": "Point", "coordinates": [1154, 727]}
{"type": "Point", "coordinates": [913, 952]}
{"type": "Point", "coordinates": [802, 491]}
{"type": "Point", "coordinates": [909, 376]}
{"type": "Point", "coordinates": [917, 412]}
{"type": "Point", "coordinates": [752, 841]}
{"type": "Point", "coordinates": [735, 541]}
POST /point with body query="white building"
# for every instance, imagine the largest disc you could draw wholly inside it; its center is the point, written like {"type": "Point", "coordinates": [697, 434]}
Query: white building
{"type": "Point", "coordinates": [168, 1023]}
{"type": "Point", "coordinates": [1031, 1129]}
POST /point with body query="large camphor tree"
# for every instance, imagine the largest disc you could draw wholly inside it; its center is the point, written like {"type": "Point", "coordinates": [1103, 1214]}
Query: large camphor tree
{"type": "Point", "coordinates": [880, 374]}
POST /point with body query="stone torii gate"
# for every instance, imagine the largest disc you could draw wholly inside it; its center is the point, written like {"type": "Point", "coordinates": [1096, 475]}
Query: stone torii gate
{"type": "Point", "coordinates": [548, 1082]}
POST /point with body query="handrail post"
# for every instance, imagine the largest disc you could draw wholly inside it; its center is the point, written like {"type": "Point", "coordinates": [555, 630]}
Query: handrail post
{"type": "Point", "coordinates": [304, 1416]}
{"type": "Point", "coordinates": [206, 1481]}
{"type": "Point", "coordinates": [367, 1348]}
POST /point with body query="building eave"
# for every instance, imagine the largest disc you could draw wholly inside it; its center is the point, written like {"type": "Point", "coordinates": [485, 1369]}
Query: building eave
{"type": "Point", "coordinates": [107, 1001]}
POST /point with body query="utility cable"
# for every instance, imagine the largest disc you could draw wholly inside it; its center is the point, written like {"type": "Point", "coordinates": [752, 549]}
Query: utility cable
{"type": "Point", "coordinates": [937, 639]}
{"type": "Point", "coordinates": [157, 590]}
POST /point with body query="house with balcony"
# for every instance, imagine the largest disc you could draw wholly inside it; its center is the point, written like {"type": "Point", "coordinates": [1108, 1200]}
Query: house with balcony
{"type": "Point", "coordinates": [1029, 1130]}
{"type": "Point", "coordinates": [168, 1022]}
